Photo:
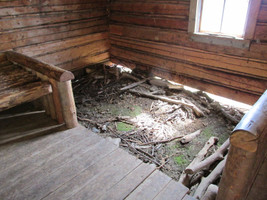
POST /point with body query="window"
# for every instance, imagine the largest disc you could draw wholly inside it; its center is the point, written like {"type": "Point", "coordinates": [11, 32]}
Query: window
{"type": "Point", "coordinates": [225, 17]}
{"type": "Point", "coordinates": [232, 21]}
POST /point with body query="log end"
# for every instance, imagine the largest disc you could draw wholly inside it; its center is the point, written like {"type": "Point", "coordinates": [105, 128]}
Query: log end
{"type": "Point", "coordinates": [189, 171]}
{"type": "Point", "coordinates": [245, 140]}
{"type": "Point", "coordinates": [66, 76]}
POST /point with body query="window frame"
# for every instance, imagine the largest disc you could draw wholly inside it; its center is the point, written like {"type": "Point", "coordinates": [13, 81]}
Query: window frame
{"type": "Point", "coordinates": [194, 21]}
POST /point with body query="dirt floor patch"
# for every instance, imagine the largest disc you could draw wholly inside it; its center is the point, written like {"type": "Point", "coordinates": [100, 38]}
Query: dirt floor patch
{"type": "Point", "coordinates": [150, 128]}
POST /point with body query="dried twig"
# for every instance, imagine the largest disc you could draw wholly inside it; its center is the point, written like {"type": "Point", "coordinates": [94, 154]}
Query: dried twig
{"type": "Point", "coordinates": [138, 151]}
{"type": "Point", "coordinates": [162, 141]}
{"type": "Point", "coordinates": [134, 84]}
{"type": "Point", "coordinates": [90, 121]}
{"type": "Point", "coordinates": [218, 155]}
{"type": "Point", "coordinates": [196, 110]}
{"type": "Point", "coordinates": [211, 193]}
{"type": "Point", "coordinates": [209, 179]}
{"type": "Point", "coordinates": [188, 138]}
{"type": "Point", "coordinates": [217, 107]}
{"type": "Point", "coordinates": [185, 178]}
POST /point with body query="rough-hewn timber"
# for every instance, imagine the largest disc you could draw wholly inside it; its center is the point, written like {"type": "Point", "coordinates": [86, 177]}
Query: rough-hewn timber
{"type": "Point", "coordinates": [68, 34]}
{"type": "Point", "coordinates": [153, 35]}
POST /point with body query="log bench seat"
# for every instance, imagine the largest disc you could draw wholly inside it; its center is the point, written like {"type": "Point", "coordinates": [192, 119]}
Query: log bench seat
{"type": "Point", "coordinates": [24, 79]}
{"type": "Point", "coordinates": [19, 86]}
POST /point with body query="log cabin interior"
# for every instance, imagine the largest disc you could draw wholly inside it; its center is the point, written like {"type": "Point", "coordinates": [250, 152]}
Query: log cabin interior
{"type": "Point", "coordinates": [60, 59]}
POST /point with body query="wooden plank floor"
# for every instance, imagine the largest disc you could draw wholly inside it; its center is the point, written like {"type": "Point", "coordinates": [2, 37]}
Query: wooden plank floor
{"type": "Point", "coordinates": [74, 164]}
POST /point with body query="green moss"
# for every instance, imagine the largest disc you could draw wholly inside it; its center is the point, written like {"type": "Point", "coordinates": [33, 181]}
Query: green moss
{"type": "Point", "coordinates": [222, 139]}
{"type": "Point", "coordinates": [137, 110]}
{"type": "Point", "coordinates": [208, 132]}
{"type": "Point", "coordinates": [180, 160]}
{"type": "Point", "coordinates": [124, 127]}
{"type": "Point", "coordinates": [119, 111]}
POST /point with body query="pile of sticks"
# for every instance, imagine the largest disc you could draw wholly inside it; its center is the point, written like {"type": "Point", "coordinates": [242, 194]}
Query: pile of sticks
{"type": "Point", "coordinates": [148, 138]}
{"type": "Point", "coordinates": [214, 164]}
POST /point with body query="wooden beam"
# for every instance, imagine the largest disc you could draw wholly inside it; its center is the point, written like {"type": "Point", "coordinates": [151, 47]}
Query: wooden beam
{"type": "Point", "coordinates": [50, 71]}
{"type": "Point", "coordinates": [14, 96]}
{"type": "Point", "coordinates": [67, 103]}
{"type": "Point", "coordinates": [198, 84]}
{"type": "Point", "coordinates": [253, 11]}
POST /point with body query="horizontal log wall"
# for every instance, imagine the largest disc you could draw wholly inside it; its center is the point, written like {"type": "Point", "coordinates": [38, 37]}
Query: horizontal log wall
{"type": "Point", "coordinates": [68, 33]}
{"type": "Point", "coordinates": [153, 34]}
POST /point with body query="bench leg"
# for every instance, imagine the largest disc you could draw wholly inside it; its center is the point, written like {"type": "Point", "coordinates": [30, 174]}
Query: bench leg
{"type": "Point", "coordinates": [67, 103]}
{"type": "Point", "coordinates": [57, 102]}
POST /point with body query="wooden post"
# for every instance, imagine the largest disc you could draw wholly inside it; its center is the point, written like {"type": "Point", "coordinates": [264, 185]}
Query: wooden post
{"type": "Point", "coordinates": [57, 102]}
{"type": "Point", "coordinates": [51, 106]}
{"type": "Point", "coordinates": [246, 157]}
{"type": "Point", "coordinates": [45, 105]}
{"type": "Point", "coordinates": [67, 103]}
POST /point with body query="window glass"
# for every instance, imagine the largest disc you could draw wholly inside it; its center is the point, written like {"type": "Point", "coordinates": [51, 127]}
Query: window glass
{"type": "Point", "coordinates": [235, 15]}
{"type": "Point", "coordinates": [226, 17]}
{"type": "Point", "coordinates": [211, 16]}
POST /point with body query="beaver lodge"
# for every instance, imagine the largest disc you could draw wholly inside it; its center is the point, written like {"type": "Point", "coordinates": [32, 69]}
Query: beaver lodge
{"type": "Point", "coordinates": [123, 99]}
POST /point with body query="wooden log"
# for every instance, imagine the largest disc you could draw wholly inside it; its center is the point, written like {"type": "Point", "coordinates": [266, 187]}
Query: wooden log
{"type": "Point", "coordinates": [129, 76]}
{"type": "Point", "coordinates": [45, 100]}
{"type": "Point", "coordinates": [26, 93]}
{"type": "Point", "coordinates": [45, 8]}
{"type": "Point", "coordinates": [234, 94]}
{"type": "Point", "coordinates": [56, 101]}
{"type": "Point", "coordinates": [51, 17]}
{"type": "Point", "coordinates": [246, 155]}
{"type": "Point", "coordinates": [46, 3]}
{"type": "Point", "coordinates": [188, 138]}
{"type": "Point", "coordinates": [196, 110]}
{"type": "Point", "coordinates": [160, 22]}
{"type": "Point", "coordinates": [211, 193]}
{"type": "Point", "coordinates": [87, 60]}
{"type": "Point", "coordinates": [217, 107]}
{"type": "Point", "coordinates": [41, 49]}
{"type": "Point", "coordinates": [46, 34]}
{"type": "Point", "coordinates": [45, 105]}
{"type": "Point", "coordinates": [153, 8]}
{"type": "Point", "coordinates": [209, 179]}
{"type": "Point", "coordinates": [51, 106]}
{"type": "Point", "coordinates": [185, 178]}
{"type": "Point", "coordinates": [134, 84]}
{"type": "Point", "coordinates": [218, 155]}
{"type": "Point", "coordinates": [3, 57]}
{"type": "Point", "coordinates": [174, 37]}
{"type": "Point", "coordinates": [76, 52]}
{"type": "Point", "coordinates": [199, 71]}
{"type": "Point", "coordinates": [49, 70]}
{"type": "Point", "coordinates": [67, 103]}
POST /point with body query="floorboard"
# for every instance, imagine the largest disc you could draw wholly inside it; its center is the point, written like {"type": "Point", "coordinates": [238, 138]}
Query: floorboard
{"type": "Point", "coordinates": [128, 183]}
{"type": "Point", "coordinates": [74, 164]}
{"type": "Point", "coordinates": [173, 189]}
{"type": "Point", "coordinates": [187, 197]}
{"type": "Point", "coordinates": [114, 173]}
{"type": "Point", "coordinates": [53, 156]}
{"type": "Point", "coordinates": [150, 187]}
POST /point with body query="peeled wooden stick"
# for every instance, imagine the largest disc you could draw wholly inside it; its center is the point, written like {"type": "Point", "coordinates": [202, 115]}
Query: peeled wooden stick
{"type": "Point", "coordinates": [185, 178]}
{"type": "Point", "coordinates": [218, 155]}
{"type": "Point", "coordinates": [211, 193]}
{"type": "Point", "coordinates": [216, 106]}
{"type": "Point", "coordinates": [209, 179]}
{"type": "Point", "coordinates": [196, 110]}
{"type": "Point", "coordinates": [190, 137]}
{"type": "Point", "coordinates": [134, 84]}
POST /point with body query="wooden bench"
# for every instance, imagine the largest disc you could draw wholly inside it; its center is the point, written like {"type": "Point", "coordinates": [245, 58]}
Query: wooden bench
{"type": "Point", "coordinates": [24, 79]}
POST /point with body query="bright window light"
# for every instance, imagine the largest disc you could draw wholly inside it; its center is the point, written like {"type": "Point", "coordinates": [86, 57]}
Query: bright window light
{"type": "Point", "coordinates": [225, 17]}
